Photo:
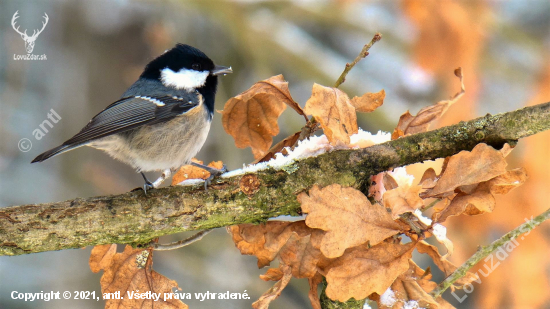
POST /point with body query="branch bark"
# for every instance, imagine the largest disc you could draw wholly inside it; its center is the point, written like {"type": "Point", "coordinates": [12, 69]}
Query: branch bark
{"type": "Point", "coordinates": [133, 218]}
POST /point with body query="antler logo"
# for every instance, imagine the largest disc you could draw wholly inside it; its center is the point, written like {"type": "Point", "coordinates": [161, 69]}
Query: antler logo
{"type": "Point", "coordinates": [29, 40]}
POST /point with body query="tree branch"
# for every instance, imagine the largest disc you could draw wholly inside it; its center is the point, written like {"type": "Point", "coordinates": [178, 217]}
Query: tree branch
{"type": "Point", "coordinates": [133, 218]}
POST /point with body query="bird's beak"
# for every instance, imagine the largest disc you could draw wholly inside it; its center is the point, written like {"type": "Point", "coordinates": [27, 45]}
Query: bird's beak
{"type": "Point", "coordinates": [220, 69]}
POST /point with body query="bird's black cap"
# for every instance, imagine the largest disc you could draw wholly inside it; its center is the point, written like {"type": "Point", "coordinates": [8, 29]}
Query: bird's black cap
{"type": "Point", "coordinates": [181, 56]}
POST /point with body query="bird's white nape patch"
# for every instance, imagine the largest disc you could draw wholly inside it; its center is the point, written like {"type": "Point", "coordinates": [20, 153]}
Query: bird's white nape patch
{"type": "Point", "coordinates": [183, 79]}
{"type": "Point", "coordinates": [155, 101]}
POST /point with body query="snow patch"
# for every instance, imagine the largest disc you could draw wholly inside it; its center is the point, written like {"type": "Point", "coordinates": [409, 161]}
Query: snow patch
{"type": "Point", "coordinates": [412, 304]}
{"type": "Point", "coordinates": [440, 232]}
{"type": "Point", "coordinates": [191, 182]}
{"type": "Point", "coordinates": [312, 147]}
{"type": "Point", "coordinates": [388, 298]}
{"type": "Point", "coordinates": [425, 220]}
{"type": "Point", "coordinates": [401, 177]}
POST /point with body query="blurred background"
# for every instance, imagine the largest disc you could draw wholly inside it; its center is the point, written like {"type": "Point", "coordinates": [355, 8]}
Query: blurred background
{"type": "Point", "coordinates": [96, 49]}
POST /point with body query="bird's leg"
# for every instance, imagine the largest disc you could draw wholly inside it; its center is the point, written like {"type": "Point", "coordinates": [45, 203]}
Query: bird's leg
{"type": "Point", "coordinates": [213, 172]}
{"type": "Point", "coordinates": [162, 178]}
{"type": "Point", "coordinates": [152, 185]}
{"type": "Point", "coordinates": [148, 185]}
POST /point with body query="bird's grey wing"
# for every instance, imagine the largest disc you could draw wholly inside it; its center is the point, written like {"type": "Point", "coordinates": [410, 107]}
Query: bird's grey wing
{"type": "Point", "coordinates": [132, 112]}
{"type": "Point", "coordinates": [123, 115]}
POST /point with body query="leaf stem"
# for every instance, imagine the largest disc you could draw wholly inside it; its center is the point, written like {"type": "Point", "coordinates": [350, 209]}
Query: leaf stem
{"type": "Point", "coordinates": [483, 252]}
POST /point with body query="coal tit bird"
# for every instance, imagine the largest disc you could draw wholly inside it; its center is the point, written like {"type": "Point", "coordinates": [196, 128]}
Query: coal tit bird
{"type": "Point", "coordinates": [161, 121]}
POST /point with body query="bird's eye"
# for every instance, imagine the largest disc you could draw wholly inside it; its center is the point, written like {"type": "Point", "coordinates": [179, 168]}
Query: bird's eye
{"type": "Point", "coordinates": [196, 67]}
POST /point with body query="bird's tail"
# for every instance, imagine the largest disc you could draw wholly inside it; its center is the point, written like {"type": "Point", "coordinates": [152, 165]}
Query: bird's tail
{"type": "Point", "coordinates": [54, 152]}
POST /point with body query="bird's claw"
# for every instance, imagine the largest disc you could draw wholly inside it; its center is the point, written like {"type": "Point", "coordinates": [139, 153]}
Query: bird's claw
{"type": "Point", "coordinates": [147, 185]}
{"type": "Point", "coordinates": [213, 174]}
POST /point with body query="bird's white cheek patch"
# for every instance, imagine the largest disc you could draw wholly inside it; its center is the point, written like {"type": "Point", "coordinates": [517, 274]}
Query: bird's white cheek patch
{"type": "Point", "coordinates": [183, 79]}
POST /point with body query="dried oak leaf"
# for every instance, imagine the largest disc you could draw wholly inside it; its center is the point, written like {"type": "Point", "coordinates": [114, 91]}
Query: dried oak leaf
{"type": "Point", "coordinates": [363, 270]}
{"type": "Point", "coordinates": [347, 216]}
{"type": "Point", "coordinates": [389, 182]}
{"type": "Point", "coordinates": [302, 254]}
{"type": "Point", "coordinates": [403, 199]}
{"type": "Point", "coordinates": [412, 285]}
{"type": "Point", "coordinates": [131, 271]}
{"type": "Point", "coordinates": [443, 264]}
{"type": "Point", "coordinates": [250, 240]}
{"type": "Point", "coordinates": [469, 167]}
{"type": "Point", "coordinates": [333, 109]}
{"type": "Point", "coordinates": [102, 257]}
{"type": "Point", "coordinates": [274, 292]}
{"type": "Point", "coordinates": [192, 172]}
{"type": "Point", "coordinates": [293, 242]}
{"type": "Point", "coordinates": [409, 124]}
{"type": "Point", "coordinates": [272, 274]}
{"type": "Point", "coordinates": [429, 179]}
{"type": "Point", "coordinates": [479, 198]}
{"type": "Point", "coordinates": [369, 101]}
{"type": "Point", "coordinates": [279, 147]}
{"type": "Point", "coordinates": [251, 117]}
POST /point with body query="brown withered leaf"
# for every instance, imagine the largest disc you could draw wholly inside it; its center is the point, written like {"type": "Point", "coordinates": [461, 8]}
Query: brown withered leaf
{"type": "Point", "coordinates": [250, 240]}
{"type": "Point", "coordinates": [429, 179]}
{"type": "Point", "coordinates": [131, 271]}
{"type": "Point", "coordinates": [301, 254]}
{"type": "Point", "coordinates": [313, 295]}
{"type": "Point", "coordinates": [413, 285]}
{"type": "Point", "coordinates": [409, 124]}
{"type": "Point", "coordinates": [251, 117]}
{"type": "Point", "coordinates": [389, 182]}
{"type": "Point", "coordinates": [469, 167]}
{"type": "Point", "coordinates": [192, 172]}
{"type": "Point", "coordinates": [272, 274]}
{"type": "Point", "coordinates": [274, 292]}
{"type": "Point", "coordinates": [293, 242]}
{"type": "Point", "coordinates": [369, 101]}
{"type": "Point", "coordinates": [279, 147]}
{"type": "Point", "coordinates": [479, 198]}
{"type": "Point", "coordinates": [363, 270]}
{"type": "Point", "coordinates": [101, 257]}
{"type": "Point", "coordinates": [504, 183]}
{"type": "Point", "coordinates": [347, 216]}
{"type": "Point", "coordinates": [506, 149]}
{"type": "Point", "coordinates": [403, 199]}
{"type": "Point", "coordinates": [333, 109]}
{"type": "Point", "coordinates": [443, 264]}
{"type": "Point", "coordinates": [377, 187]}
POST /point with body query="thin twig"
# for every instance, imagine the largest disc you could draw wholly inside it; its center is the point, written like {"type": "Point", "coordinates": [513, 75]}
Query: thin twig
{"type": "Point", "coordinates": [483, 252]}
{"type": "Point", "coordinates": [432, 204]}
{"type": "Point", "coordinates": [364, 52]}
{"type": "Point", "coordinates": [181, 243]}
{"type": "Point", "coordinates": [312, 125]}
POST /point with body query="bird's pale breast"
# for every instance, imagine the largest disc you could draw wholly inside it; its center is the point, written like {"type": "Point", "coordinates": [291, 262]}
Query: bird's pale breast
{"type": "Point", "coordinates": [160, 146]}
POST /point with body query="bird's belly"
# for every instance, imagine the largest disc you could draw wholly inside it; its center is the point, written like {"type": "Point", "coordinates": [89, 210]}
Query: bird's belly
{"type": "Point", "coordinates": [163, 146]}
